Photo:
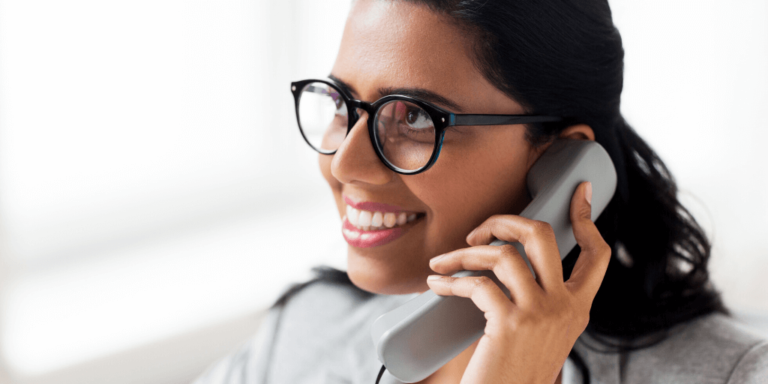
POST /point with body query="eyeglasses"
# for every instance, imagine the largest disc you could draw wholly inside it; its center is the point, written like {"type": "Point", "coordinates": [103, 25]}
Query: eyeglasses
{"type": "Point", "coordinates": [406, 133]}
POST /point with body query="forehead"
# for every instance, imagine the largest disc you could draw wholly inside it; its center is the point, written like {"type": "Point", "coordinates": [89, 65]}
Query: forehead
{"type": "Point", "coordinates": [396, 43]}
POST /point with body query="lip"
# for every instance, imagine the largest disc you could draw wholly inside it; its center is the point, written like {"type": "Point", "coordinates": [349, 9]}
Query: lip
{"type": "Point", "coordinates": [373, 207]}
{"type": "Point", "coordinates": [368, 239]}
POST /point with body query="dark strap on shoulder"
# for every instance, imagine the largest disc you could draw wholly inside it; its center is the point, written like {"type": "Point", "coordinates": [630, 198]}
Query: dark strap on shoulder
{"type": "Point", "coordinates": [321, 273]}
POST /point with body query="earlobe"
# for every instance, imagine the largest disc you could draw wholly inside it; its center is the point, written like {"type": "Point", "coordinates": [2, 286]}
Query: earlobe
{"type": "Point", "coordinates": [578, 132]}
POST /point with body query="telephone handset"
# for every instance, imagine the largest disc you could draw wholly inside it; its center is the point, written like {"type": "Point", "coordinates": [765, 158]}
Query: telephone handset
{"type": "Point", "coordinates": [416, 339]}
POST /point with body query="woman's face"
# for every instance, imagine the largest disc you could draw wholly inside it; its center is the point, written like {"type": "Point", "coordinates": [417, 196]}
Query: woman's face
{"type": "Point", "coordinates": [394, 45]}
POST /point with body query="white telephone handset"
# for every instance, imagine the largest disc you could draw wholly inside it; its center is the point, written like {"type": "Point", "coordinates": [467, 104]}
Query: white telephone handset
{"type": "Point", "coordinates": [416, 339]}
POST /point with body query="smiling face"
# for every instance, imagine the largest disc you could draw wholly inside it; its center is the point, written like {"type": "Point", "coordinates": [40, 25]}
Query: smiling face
{"type": "Point", "coordinates": [480, 172]}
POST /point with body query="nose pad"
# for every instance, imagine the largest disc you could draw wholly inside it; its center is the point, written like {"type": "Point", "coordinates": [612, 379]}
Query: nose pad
{"type": "Point", "coordinates": [362, 114]}
{"type": "Point", "coordinates": [356, 159]}
{"type": "Point", "coordinates": [361, 120]}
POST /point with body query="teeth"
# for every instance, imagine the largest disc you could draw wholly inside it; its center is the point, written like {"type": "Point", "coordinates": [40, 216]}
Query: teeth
{"type": "Point", "coordinates": [377, 219]}
{"type": "Point", "coordinates": [364, 219]}
{"type": "Point", "coordinates": [371, 221]}
{"type": "Point", "coordinates": [390, 219]}
{"type": "Point", "coordinates": [352, 215]}
{"type": "Point", "coordinates": [351, 234]}
{"type": "Point", "coordinates": [401, 218]}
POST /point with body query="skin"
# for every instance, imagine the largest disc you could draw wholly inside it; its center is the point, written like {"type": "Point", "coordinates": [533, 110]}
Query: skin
{"type": "Point", "coordinates": [469, 198]}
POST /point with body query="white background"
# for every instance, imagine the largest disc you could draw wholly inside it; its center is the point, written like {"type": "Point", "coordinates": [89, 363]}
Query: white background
{"type": "Point", "coordinates": [155, 194]}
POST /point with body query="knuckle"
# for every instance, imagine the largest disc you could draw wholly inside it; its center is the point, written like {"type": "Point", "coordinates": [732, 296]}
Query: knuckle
{"type": "Point", "coordinates": [605, 249]}
{"type": "Point", "coordinates": [506, 250]}
{"type": "Point", "coordinates": [599, 247]}
{"type": "Point", "coordinates": [541, 228]}
{"type": "Point", "coordinates": [602, 249]}
{"type": "Point", "coordinates": [488, 264]}
{"type": "Point", "coordinates": [482, 282]}
{"type": "Point", "coordinates": [504, 260]}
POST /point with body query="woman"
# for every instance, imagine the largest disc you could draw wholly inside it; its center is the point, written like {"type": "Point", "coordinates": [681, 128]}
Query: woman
{"type": "Point", "coordinates": [632, 303]}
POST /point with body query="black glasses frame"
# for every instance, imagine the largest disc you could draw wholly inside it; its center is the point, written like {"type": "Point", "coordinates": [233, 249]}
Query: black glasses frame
{"type": "Point", "coordinates": [441, 119]}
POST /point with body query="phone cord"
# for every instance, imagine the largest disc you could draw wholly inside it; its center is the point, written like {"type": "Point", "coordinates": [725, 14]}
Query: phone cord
{"type": "Point", "coordinates": [381, 373]}
{"type": "Point", "coordinates": [573, 355]}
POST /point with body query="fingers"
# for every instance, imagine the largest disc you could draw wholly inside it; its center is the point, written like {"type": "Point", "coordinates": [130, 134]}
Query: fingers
{"type": "Point", "coordinates": [538, 240]}
{"type": "Point", "coordinates": [505, 262]}
{"type": "Point", "coordinates": [486, 295]}
{"type": "Point", "coordinates": [595, 253]}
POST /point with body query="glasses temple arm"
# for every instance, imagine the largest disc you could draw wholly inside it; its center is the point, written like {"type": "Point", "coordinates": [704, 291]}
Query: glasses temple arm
{"type": "Point", "coordinates": [457, 120]}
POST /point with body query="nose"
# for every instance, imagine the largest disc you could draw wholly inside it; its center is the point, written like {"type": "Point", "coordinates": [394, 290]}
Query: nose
{"type": "Point", "coordinates": [356, 162]}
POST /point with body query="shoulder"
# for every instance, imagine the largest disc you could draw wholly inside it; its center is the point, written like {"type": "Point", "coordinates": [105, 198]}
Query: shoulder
{"type": "Point", "coordinates": [323, 331]}
{"type": "Point", "coordinates": [752, 367]}
{"type": "Point", "coordinates": [323, 297]}
{"type": "Point", "coordinates": [711, 349]}
{"type": "Point", "coordinates": [317, 331]}
{"type": "Point", "coordinates": [324, 312]}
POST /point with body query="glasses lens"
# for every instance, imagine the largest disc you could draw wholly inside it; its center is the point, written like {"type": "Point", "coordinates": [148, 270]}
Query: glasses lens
{"type": "Point", "coordinates": [405, 134]}
{"type": "Point", "coordinates": [322, 116]}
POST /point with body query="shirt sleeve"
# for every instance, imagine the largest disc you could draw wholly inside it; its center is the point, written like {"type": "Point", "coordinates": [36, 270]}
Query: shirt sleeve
{"type": "Point", "coordinates": [249, 364]}
{"type": "Point", "coordinates": [752, 368]}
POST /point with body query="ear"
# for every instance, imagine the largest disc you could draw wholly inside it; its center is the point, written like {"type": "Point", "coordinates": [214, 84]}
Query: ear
{"type": "Point", "coordinates": [578, 132]}
{"type": "Point", "coordinates": [575, 132]}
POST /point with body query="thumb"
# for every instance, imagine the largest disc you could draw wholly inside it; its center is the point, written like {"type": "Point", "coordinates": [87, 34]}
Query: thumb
{"type": "Point", "coordinates": [584, 229]}
{"type": "Point", "coordinates": [581, 203]}
{"type": "Point", "coordinates": [595, 254]}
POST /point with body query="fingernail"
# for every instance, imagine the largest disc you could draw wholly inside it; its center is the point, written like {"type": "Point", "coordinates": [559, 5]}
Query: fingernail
{"type": "Point", "coordinates": [436, 259]}
{"type": "Point", "coordinates": [434, 277]}
{"type": "Point", "coordinates": [588, 192]}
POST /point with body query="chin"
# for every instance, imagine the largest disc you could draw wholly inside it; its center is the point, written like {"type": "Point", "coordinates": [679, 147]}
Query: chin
{"type": "Point", "coordinates": [383, 276]}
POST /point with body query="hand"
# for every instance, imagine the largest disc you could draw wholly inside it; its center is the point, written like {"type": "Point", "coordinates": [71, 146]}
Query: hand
{"type": "Point", "coordinates": [529, 335]}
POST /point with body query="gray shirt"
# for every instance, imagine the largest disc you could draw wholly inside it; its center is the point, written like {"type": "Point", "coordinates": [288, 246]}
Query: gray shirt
{"type": "Point", "coordinates": [322, 335]}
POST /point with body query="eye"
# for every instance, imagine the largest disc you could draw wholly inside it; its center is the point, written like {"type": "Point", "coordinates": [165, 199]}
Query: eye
{"type": "Point", "coordinates": [341, 107]}
{"type": "Point", "coordinates": [418, 118]}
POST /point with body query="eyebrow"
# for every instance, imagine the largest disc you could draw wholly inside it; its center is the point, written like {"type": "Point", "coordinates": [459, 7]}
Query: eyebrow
{"type": "Point", "coordinates": [343, 84]}
{"type": "Point", "coordinates": [419, 93]}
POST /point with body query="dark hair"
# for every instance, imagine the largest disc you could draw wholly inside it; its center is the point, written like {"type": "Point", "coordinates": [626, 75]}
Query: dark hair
{"type": "Point", "coordinates": [565, 58]}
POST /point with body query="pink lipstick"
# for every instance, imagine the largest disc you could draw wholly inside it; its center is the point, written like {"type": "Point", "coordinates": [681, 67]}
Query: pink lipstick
{"type": "Point", "coordinates": [367, 239]}
{"type": "Point", "coordinates": [371, 206]}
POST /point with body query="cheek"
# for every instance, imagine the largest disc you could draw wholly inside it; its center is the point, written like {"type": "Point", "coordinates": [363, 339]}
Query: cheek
{"type": "Point", "coordinates": [466, 187]}
{"type": "Point", "coordinates": [324, 161]}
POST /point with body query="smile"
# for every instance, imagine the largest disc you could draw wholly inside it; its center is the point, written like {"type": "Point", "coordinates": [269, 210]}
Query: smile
{"type": "Point", "coordinates": [367, 220]}
{"type": "Point", "coordinates": [370, 228]}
